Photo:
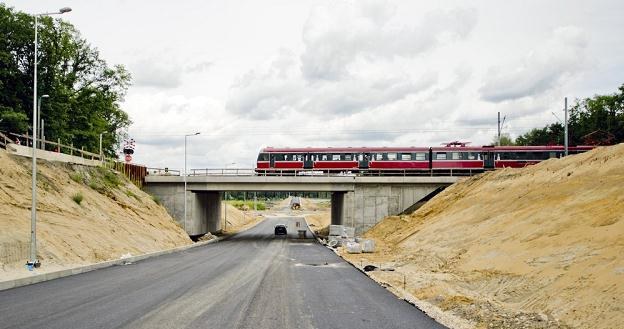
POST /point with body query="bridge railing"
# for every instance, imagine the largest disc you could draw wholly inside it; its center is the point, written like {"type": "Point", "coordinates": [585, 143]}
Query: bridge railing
{"type": "Point", "coordinates": [320, 173]}
{"type": "Point", "coordinates": [222, 172]}
{"type": "Point", "coordinates": [163, 172]}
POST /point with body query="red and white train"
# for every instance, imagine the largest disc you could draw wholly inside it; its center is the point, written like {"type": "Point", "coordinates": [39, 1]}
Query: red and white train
{"type": "Point", "coordinates": [452, 157]}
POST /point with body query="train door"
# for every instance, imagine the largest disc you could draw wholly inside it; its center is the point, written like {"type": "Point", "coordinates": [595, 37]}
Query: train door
{"type": "Point", "coordinates": [363, 159]}
{"type": "Point", "coordinates": [272, 160]}
{"type": "Point", "coordinates": [308, 161]}
{"type": "Point", "coordinates": [488, 160]}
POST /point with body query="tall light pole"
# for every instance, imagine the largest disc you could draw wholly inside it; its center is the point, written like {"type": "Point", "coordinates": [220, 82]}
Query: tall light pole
{"type": "Point", "coordinates": [33, 262]}
{"type": "Point", "coordinates": [39, 117]}
{"type": "Point", "coordinates": [185, 136]}
{"type": "Point", "coordinates": [565, 137]}
{"type": "Point", "coordinates": [225, 202]}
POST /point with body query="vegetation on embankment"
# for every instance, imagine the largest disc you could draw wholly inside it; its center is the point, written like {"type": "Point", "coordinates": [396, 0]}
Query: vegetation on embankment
{"type": "Point", "coordinates": [538, 247]}
{"type": "Point", "coordinates": [84, 215]}
{"type": "Point", "coordinates": [84, 91]}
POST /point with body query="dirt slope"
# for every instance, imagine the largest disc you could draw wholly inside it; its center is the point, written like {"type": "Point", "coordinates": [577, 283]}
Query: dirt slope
{"type": "Point", "coordinates": [541, 246]}
{"type": "Point", "coordinates": [114, 218]}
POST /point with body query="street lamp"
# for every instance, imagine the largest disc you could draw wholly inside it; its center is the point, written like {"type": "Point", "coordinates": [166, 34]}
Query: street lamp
{"type": "Point", "coordinates": [225, 197]}
{"type": "Point", "coordinates": [39, 117]}
{"type": "Point", "coordinates": [185, 136]}
{"type": "Point", "coordinates": [33, 262]}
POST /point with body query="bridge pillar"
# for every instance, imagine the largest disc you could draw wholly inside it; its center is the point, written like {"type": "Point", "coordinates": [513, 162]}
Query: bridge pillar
{"type": "Point", "coordinates": [213, 212]}
{"type": "Point", "coordinates": [337, 208]}
{"type": "Point", "coordinates": [205, 213]}
{"type": "Point", "coordinates": [370, 203]}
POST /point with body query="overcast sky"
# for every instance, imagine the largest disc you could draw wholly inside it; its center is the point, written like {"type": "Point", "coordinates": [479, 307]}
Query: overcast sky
{"type": "Point", "coordinates": [248, 74]}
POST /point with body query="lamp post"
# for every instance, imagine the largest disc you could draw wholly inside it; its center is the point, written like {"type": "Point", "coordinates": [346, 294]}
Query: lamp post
{"type": "Point", "coordinates": [185, 136]}
{"type": "Point", "coordinates": [225, 197]}
{"type": "Point", "coordinates": [39, 118]}
{"type": "Point", "coordinates": [33, 262]}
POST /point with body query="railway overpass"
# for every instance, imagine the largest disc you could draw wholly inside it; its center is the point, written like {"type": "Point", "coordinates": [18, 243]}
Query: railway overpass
{"type": "Point", "coordinates": [357, 201]}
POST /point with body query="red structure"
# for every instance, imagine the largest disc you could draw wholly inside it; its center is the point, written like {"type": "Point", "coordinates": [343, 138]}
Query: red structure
{"type": "Point", "coordinates": [453, 156]}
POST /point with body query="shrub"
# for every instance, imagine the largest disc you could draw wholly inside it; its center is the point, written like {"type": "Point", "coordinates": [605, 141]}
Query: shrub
{"type": "Point", "coordinates": [77, 197]}
{"type": "Point", "coordinates": [77, 177]}
{"type": "Point", "coordinates": [157, 200]}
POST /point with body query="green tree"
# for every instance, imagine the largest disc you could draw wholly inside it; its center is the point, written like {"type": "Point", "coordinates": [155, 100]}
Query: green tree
{"type": "Point", "coordinates": [603, 113]}
{"type": "Point", "coordinates": [549, 135]}
{"type": "Point", "coordinates": [85, 92]}
{"type": "Point", "coordinates": [505, 140]}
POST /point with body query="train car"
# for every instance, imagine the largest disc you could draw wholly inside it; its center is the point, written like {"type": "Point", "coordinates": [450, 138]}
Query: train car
{"type": "Point", "coordinates": [454, 157]}
{"type": "Point", "coordinates": [457, 156]}
{"type": "Point", "coordinates": [351, 159]}
{"type": "Point", "coordinates": [522, 156]}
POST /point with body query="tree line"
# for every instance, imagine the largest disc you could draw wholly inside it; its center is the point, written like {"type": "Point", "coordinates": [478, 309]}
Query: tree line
{"type": "Point", "coordinates": [84, 91]}
{"type": "Point", "coordinates": [597, 120]}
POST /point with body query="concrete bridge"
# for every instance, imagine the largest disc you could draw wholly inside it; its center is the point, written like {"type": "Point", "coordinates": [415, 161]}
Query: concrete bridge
{"type": "Point", "coordinates": [356, 201]}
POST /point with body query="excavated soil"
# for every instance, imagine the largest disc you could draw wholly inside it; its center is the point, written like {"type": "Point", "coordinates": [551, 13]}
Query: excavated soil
{"type": "Point", "coordinates": [537, 247]}
{"type": "Point", "coordinates": [114, 219]}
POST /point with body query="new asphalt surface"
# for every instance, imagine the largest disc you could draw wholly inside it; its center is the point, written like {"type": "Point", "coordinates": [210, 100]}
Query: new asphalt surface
{"type": "Point", "coordinates": [252, 280]}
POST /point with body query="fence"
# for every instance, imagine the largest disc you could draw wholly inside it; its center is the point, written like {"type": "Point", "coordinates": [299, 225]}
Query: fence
{"type": "Point", "coordinates": [49, 146]}
{"type": "Point", "coordinates": [135, 173]}
{"type": "Point", "coordinates": [333, 173]}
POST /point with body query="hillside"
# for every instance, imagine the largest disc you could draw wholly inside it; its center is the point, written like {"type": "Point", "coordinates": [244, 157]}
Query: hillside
{"type": "Point", "coordinates": [113, 219]}
{"type": "Point", "coordinates": [535, 247]}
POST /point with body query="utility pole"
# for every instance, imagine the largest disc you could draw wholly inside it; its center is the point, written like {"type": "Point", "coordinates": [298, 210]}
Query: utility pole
{"type": "Point", "coordinates": [500, 127]}
{"type": "Point", "coordinates": [565, 137]}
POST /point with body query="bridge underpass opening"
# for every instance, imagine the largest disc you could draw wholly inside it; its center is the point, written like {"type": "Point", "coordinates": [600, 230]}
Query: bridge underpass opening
{"type": "Point", "coordinates": [360, 202]}
{"type": "Point", "coordinates": [209, 213]}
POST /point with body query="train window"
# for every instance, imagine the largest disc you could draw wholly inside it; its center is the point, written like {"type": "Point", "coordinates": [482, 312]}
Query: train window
{"type": "Point", "coordinates": [406, 156]}
{"type": "Point", "coordinates": [455, 156]}
{"type": "Point", "coordinates": [421, 156]}
{"type": "Point", "coordinates": [335, 157]}
{"type": "Point", "coordinates": [379, 156]}
{"type": "Point", "coordinates": [263, 157]}
{"type": "Point", "coordinates": [348, 157]}
{"type": "Point", "coordinates": [471, 156]}
{"type": "Point", "coordinates": [392, 156]}
{"type": "Point", "coordinates": [441, 156]}
{"type": "Point", "coordinates": [324, 157]}
{"type": "Point", "coordinates": [299, 157]}
{"type": "Point", "coordinates": [279, 157]}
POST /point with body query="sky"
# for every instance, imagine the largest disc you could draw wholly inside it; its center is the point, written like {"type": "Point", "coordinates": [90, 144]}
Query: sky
{"type": "Point", "coordinates": [248, 74]}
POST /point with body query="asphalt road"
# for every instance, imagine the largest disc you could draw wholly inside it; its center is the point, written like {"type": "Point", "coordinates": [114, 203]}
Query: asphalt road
{"type": "Point", "coordinates": [251, 280]}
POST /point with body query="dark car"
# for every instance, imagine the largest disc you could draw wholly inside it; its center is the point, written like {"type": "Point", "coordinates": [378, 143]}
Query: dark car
{"type": "Point", "coordinates": [280, 229]}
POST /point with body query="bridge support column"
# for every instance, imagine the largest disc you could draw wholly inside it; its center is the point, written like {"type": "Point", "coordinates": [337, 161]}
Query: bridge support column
{"type": "Point", "coordinates": [337, 208]}
{"type": "Point", "coordinates": [205, 213]}
{"type": "Point", "coordinates": [213, 212]}
{"type": "Point", "coordinates": [370, 203]}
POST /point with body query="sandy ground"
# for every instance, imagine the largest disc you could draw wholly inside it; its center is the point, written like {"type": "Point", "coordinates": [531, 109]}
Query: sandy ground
{"type": "Point", "coordinates": [112, 221]}
{"type": "Point", "coordinates": [538, 247]}
{"type": "Point", "coordinates": [238, 220]}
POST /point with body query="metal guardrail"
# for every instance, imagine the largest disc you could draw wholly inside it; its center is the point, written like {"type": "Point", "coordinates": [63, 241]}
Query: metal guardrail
{"type": "Point", "coordinates": [223, 172]}
{"type": "Point", "coordinates": [163, 172]}
{"type": "Point", "coordinates": [315, 173]}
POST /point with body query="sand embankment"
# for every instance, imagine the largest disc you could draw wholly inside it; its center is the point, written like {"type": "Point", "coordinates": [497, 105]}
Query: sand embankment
{"type": "Point", "coordinates": [537, 247]}
{"type": "Point", "coordinates": [114, 218]}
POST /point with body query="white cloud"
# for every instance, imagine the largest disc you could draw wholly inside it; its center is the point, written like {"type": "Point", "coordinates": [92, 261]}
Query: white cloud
{"type": "Point", "coordinates": [155, 73]}
{"type": "Point", "coordinates": [336, 36]}
{"type": "Point", "coordinates": [544, 68]}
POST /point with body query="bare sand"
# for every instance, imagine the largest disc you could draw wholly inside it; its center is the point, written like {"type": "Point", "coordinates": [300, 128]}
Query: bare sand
{"type": "Point", "coordinates": [112, 221]}
{"type": "Point", "coordinates": [239, 220]}
{"type": "Point", "coordinates": [537, 247]}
